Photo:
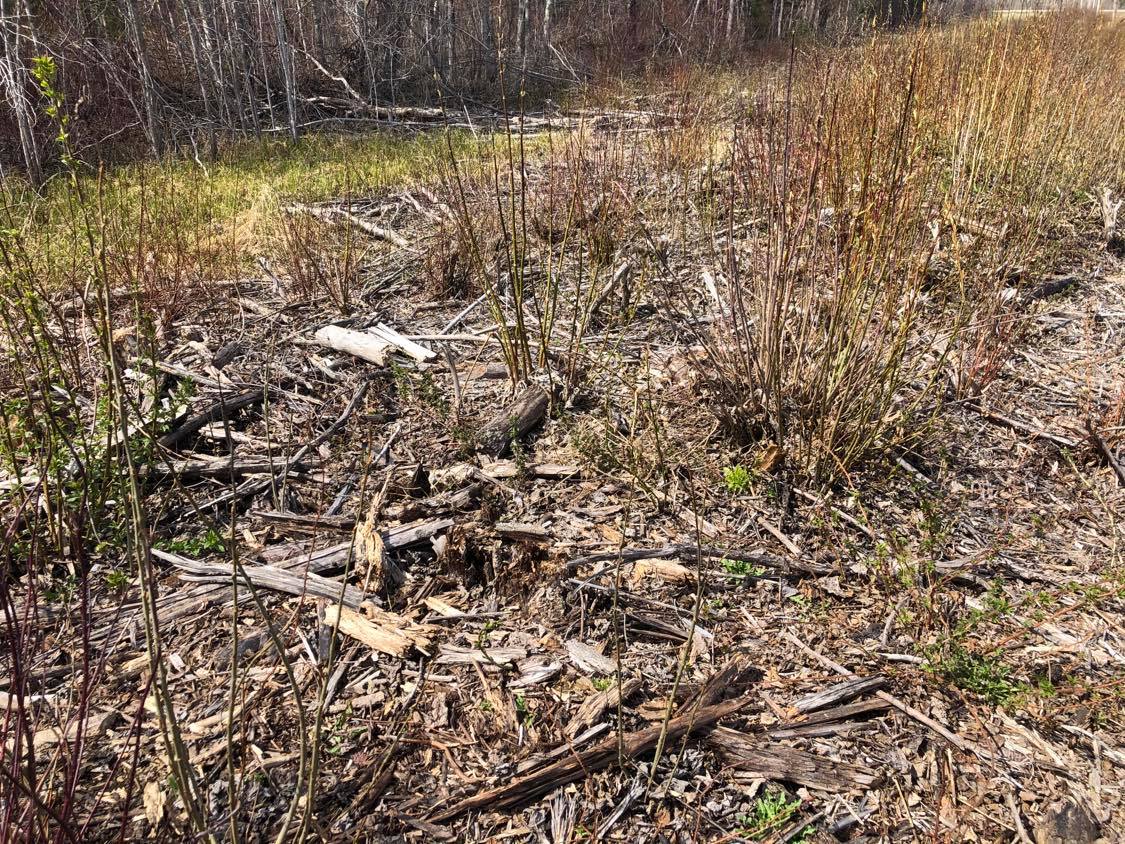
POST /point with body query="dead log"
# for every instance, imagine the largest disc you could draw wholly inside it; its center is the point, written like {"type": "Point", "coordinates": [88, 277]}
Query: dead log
{"type": "Point", "coordinates": [222, 408]}
{"type": "Point", "coordinates": [517, 420]}
{"type": "Point", "coordinates": [774, 761]}
{"type": "Point", "coordinates": [265, 577]}
{"type": "Point", "coordinates": [222, 467]}
{"type": "Point", "coordinates": [605, 753]}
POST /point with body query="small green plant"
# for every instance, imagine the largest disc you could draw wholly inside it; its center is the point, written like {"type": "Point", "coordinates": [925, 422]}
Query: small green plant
{"type": "Point", "coordinates": [742, 568]}
{"type": "Point", "coordinates": [209, 542]}
{"type": "Point", "coordinates": [977, 673]}
{"type": "Point", "coordinates": [737, 479]}
{"type": "Point", "coordinates": [482, 637]}
{"type": "Point", "coordinates": [771, 811]}
{"type": "Point", "coordinates": [117, 579]}
{"type": "Point", "coordinates": [601, 683]}
{"type": "Point", "coordinates": [525, 715]}
{"type": "Point", "coordinates": [61, 591]}
{"type": "Point", "coordinates": [519, 453]}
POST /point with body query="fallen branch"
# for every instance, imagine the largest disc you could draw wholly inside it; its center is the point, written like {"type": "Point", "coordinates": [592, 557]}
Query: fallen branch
{"type": "Point", "coordinates": [266, 577]}
{"type": "Point", "coordinates": [577, 767]}
{"type": "Point", "coordinates": [525, 412]}
{"type": "Point", "coordinates": [1106, 452]}
{"type": "Point", "coordinates": [361, 344]}
{"type": "Point", "coordinates": [1025, 428]}
{"type": "Point", "coordinates": [221, 409]}
{"type": "Point", "coordinates": [338, 216]}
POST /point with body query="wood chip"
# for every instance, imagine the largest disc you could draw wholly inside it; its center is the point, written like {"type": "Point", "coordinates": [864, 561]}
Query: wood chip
{"type": "Point", "coordinates": [589, 660]}
{"type": "Point", "coordinates": [384, 632]}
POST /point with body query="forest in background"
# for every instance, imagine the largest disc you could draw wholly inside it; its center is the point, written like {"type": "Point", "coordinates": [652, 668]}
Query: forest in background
{"type": "Point", "coordinates": [182, 73]}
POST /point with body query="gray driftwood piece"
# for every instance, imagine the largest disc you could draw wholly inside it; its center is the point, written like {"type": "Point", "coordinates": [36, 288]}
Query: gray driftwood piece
{"type": "Point", "coordinates": [840, 693]}
{"type": "Point", "coordinates": [361, 344]}
{"type": "Point", "coordinates": [517, 420]}
{"type": "Point", "coordinates": [267, 577]}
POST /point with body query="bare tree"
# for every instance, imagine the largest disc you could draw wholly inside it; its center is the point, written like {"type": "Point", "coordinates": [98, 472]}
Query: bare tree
{"type": "Point", "coordinates": [16, 83]}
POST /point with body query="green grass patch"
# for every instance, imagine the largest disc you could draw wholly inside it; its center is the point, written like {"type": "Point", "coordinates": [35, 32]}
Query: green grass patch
{"type": "Point", "coordinates": [182, 216]}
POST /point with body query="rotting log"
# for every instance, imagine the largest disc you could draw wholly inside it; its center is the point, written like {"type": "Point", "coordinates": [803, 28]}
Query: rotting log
{"type": "Point", "coordinates": [773, 761]}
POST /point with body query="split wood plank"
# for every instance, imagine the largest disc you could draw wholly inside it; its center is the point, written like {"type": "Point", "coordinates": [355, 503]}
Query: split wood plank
{"type": "Point", "coordinates": [593, 707]}
{"type": "Point", "coordinates": [830, 721]}
{"type": "Point", "coordinates": [840, 693]}
{"type": "Point", "coordinates": [451, 655]}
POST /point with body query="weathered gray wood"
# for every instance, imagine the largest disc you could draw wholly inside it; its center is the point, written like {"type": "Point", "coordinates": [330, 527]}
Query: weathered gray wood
{"type": "Point", "coordinates": [827, 722]}
{"type": "Point", "coordinates": [522, 532]}
{"type": "Point", "coordinates": [224, 468]}
{"type": "Point", "coordinates": [774, 761]}
{"type": "Point", "coordinates": [522, 416]}
{"type": "Point", "coordinates": [840, 693]}
{"type": "Point", "coordinates": [222, 408]}
{"type": "Point", "coordinates": [266, 577]}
